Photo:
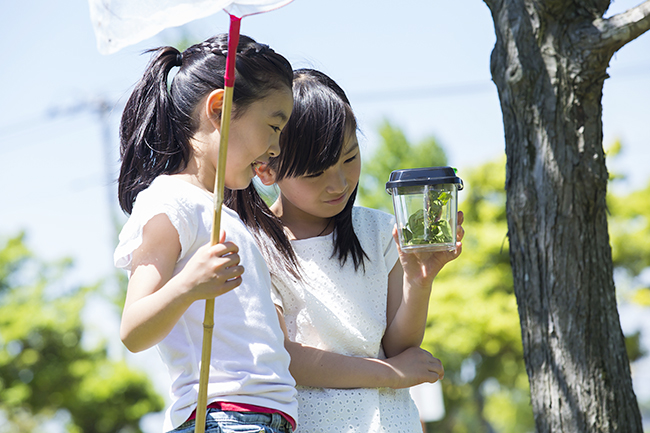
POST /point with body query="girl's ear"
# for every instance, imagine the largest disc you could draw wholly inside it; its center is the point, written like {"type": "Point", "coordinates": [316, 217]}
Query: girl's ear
{"type": "Point", "coordinates": [266, 174]}
{"type": "Point", "coordinates": [213, 106]}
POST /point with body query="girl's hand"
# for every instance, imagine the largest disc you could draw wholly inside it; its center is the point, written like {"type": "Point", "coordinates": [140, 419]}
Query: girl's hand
{"type": "Point", "coordinates": [415, 366]}
{"type": "Point", "coordinates": [156, 298]}
{"type": "Point", "coordinates": [213, 270]}
{"type": "Point", "coordinates": [420, 268]}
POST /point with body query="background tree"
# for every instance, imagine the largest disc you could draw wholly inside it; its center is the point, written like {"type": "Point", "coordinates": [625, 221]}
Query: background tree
{"type": "Point", "coordinates": [45, 371]}
{"type": "Point", "coordinates": [549, 65]}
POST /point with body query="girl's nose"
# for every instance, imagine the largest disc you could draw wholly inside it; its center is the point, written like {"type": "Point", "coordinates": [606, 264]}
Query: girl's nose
{"type": "Point", "coordinates": [337, 182]}
{"type": "Point", "coordinates": [274, 150]}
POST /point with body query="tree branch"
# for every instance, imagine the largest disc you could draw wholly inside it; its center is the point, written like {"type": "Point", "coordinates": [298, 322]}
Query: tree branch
{"type": "Point", "coordinates": [622, 28]}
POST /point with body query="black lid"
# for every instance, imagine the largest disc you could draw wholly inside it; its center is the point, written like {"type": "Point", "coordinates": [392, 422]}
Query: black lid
{"type": "Point", "coordinates": [423, 176]}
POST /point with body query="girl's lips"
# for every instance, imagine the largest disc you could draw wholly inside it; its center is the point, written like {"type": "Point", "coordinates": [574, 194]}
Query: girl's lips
{"type": "Point", "coordinates": [257, 165]}
{"type": "Point", "coordinates": [338, 200]}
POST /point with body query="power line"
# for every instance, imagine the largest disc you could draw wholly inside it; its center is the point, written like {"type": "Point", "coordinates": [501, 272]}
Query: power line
{"type": "Point", "coordinates": [404, 94]}
{"type": "Point", "coordinates": [53, 114]}
{"type": "Point", "coordinates": [102, 108]}
{"type": "Point", "coordinates": [468, 88]}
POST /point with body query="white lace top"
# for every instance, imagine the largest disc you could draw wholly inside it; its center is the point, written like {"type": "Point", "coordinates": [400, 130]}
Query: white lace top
{"type": "Point", "coordinates": [341, 310]}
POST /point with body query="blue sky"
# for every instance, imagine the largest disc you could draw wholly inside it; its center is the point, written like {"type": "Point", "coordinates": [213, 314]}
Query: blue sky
{"type": "Point", "coordinates": [424, 65]}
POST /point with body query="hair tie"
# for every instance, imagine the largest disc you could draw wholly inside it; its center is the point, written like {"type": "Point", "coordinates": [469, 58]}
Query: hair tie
{"type": "Point", "coordinates": [179, 59]}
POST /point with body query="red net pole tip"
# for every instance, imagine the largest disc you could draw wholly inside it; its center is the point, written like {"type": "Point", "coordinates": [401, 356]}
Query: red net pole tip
{"type": "Point", "coordinates": [233, 42]}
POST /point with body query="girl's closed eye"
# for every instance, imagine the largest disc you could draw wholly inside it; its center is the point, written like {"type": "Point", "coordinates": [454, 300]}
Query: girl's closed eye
{"type": "Point", "coordinates": [351, 158]}
{"type": "Point", "coordinates": [314, 175]}
{"type": "Point", "coordinates": [276, 128]}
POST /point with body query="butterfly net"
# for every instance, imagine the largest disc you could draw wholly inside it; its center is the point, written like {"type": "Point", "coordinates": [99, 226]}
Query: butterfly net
{"type": "Point", "coordinates": [120, 23]}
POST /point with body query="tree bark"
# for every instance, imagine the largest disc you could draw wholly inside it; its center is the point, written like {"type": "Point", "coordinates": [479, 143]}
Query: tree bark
{"type": "Point", "coordinates": [549, 65]}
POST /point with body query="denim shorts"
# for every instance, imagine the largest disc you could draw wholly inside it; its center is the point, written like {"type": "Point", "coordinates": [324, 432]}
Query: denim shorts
{"type": "Point", "coordinates": [219, 421]}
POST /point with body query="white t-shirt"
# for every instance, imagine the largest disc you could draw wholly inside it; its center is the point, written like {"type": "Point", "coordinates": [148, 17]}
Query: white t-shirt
{"type": "Point", "coordinates": [340, 310]}
{"type": "Point", "coordinates": [249, 362]}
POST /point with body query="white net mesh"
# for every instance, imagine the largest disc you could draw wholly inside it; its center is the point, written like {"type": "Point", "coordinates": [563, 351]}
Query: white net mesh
{"type": "Point", "coordinates": [119, 23]}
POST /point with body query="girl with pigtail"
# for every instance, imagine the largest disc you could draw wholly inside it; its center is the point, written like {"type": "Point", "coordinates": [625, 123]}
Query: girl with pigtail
{"type": "Point", "coordinates": [169, 149]}
{"type": "Point", "coordinates": [352, 305]}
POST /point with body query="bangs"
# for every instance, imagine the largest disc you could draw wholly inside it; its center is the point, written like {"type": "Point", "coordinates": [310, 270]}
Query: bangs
{"type": "Point", "coordinates": [313, 139]}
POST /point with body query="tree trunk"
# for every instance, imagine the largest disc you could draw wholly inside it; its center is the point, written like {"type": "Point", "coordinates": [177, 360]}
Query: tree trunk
{"type": "Point", "coordinates": [549, 64]}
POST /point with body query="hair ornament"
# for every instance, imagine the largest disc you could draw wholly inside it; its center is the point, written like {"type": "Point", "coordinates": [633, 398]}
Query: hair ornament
{"type": "Point", "coordinates": [179, 59]}
{"type": "Point", "coordinates": [261, 47]}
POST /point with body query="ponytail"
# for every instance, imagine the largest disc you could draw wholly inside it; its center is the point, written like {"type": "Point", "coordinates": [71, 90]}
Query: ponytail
{"type": "Point", "coordinates": [150, 144]}
{"type": "Point", "coordinates": [159, 121]}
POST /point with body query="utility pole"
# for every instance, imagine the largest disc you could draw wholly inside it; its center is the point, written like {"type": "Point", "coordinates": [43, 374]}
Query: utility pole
{"type": "Point", "coordinates": [102, 108]}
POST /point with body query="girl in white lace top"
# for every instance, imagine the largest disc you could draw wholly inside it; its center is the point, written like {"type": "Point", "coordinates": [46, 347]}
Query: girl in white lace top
{"type": "Point", "coordinates": [352, 305]}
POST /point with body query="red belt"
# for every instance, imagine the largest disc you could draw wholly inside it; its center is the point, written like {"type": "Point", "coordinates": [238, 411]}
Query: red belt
{"type": "Point", "coordinates": [243, 407]}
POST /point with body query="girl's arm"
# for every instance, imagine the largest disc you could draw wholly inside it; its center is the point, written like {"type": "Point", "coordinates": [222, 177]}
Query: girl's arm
{"type": "Point", "coordinates": [315, 367]}
{"type": "Point", "coordinates": [409, 288]}
{"type": "Point", "coordinates": [155, 300]}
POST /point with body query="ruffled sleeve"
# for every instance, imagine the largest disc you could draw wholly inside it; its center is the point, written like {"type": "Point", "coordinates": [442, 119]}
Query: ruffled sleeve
{"type": "Point", "coordinates": [153, 201]}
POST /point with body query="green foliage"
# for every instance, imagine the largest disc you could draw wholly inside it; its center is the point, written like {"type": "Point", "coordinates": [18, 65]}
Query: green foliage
{"type": "Point", "coordinates": [473, 323]}
{"type": "Point", "coordinates": [394, 153]}
{"type": "Point", "coordinates": [44, 368]}
{"type": "Point", "coordinates": [629, 227]}
{"type": "Point", "coordinates": [426, 225]}
{"type": "Point", "coordinates": [633, 346]}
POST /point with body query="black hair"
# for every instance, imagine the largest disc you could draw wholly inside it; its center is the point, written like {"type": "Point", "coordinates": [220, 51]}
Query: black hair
{"type": "Point", "coordinates": [159, 121]}
{"type": "Point", "coordinates": [311, 142]}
